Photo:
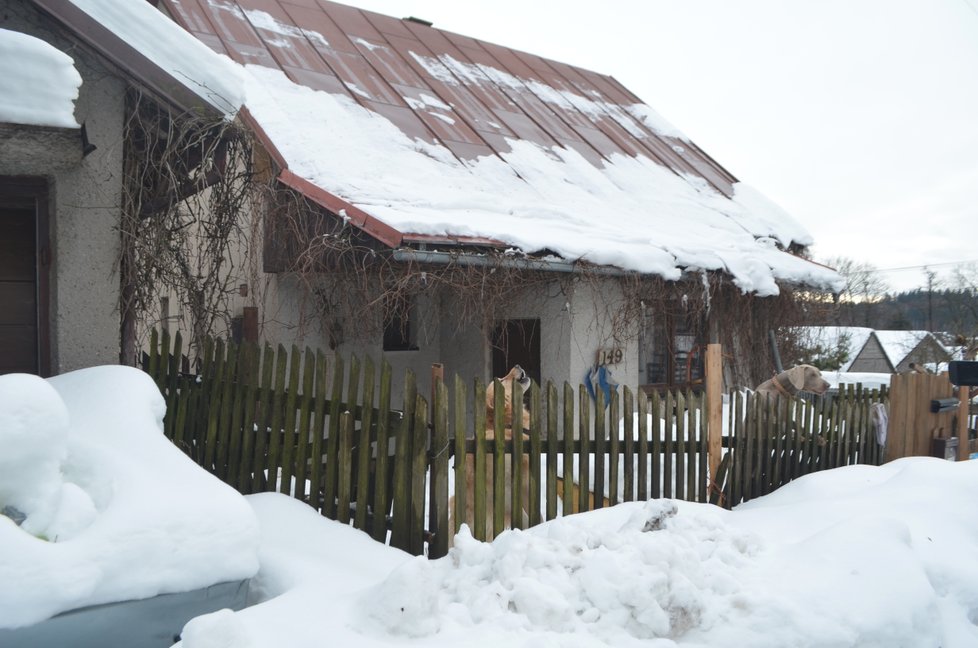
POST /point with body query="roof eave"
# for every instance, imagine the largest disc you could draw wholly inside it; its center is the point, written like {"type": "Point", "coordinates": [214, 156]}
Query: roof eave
{"type": "Point", "coordinates": [125, 57]}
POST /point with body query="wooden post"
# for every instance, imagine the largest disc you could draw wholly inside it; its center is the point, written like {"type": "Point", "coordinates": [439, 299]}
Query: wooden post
{"type": "Point", "coordinates": [962, 431]}
{"type": "Point", "coordinates": [437, 376]}
{"type": "Point", "coordinates": [714, 407]}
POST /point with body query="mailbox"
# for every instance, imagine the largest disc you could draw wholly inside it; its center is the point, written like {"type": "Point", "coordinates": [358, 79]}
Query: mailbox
{"type": "Point", "coordinates": [963, 373]}
{"type": "Point", "coordinates": [943, 405]}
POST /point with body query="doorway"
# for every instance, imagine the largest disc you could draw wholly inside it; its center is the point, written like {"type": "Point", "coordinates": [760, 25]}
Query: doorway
{"type": "Point", "coordinates": [23, 277]}
{"type": "Point", "coordinates": [516, 342]}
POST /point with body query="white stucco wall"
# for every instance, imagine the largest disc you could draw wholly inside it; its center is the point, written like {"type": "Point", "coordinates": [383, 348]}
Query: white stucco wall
{"type": "Point", "coordinates": [575, 320]}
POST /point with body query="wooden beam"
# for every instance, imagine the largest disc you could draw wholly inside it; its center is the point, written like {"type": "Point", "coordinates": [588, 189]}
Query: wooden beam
{"type": "Point", "coordinates": [714, 406]}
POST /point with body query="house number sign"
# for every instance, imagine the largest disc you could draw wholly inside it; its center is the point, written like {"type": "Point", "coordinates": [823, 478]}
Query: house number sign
{"type": "Point", "coordinates": [610, 356]}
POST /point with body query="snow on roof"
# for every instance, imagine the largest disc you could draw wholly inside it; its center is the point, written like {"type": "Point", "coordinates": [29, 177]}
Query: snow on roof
{"type": "Point", "coordinates": [432, 133]}
{"type": "Point", "coordinates": [854, 337]}
{"type": "Point", "coordinates": [38, 82]}
{"type": "Point", "coordinates": [898, 344]}
{"type": "Point", "coordinates": [213, 78]}
{"type": "Point", "coordinates": [97, 506]}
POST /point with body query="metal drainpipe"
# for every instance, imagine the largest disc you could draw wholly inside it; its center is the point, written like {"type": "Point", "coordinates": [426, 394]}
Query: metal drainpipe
{"type": "Point", "coordinates": [444, 258]}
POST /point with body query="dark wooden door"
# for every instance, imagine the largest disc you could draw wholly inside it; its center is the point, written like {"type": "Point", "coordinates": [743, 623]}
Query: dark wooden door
{"type": "Point", "coordinates": [23, 278]}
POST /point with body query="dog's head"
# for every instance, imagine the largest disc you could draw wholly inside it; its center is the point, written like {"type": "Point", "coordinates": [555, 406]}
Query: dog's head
{"type": "Point", "coordinates": [516, 374]}
{"type": "Point", "coordinates": [807, 378]}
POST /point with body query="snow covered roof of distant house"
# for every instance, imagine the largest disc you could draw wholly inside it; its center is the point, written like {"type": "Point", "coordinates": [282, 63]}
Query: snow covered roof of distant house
{"type": "Point", "coordinates": [419, 135]}
{"type": "Point", "coordinates": [898, 344]}
{"type": "Point", "coordinates": [831, 337]}
{"type": "Point", "coordinates": [138, 38]}
{"type": "Point", "coordinates": [38, 82]}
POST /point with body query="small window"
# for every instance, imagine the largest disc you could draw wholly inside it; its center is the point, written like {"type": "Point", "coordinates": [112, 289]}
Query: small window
{"type": "Point", "coordinates": [671, 353]}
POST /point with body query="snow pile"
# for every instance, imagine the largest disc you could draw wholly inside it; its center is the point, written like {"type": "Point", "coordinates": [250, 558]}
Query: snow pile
{"type": "Point", "coordinates": [656, 575]}
{"type": "Point", "coordinates": [555, 199]}
{"type": "Point", "coordinates": [34, 436]}
{"type": "Point", "coordinates": [38, 83]}
{"type": "Point", "coordinates": [313, 571]}
{"type": "Point", "coordinates": [109, 509]}
{"type": "Point", "coordinates": [858, 556]}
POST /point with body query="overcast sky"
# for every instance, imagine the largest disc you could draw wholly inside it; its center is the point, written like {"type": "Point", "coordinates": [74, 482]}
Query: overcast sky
{"type": "Point", "coordinates": [860, 117]}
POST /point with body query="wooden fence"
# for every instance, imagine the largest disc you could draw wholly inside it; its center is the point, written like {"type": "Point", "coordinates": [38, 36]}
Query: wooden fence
{"type": "Point", "coordinates": [772, 442]}
{"type": "Point", "coordinates": [276, 419]}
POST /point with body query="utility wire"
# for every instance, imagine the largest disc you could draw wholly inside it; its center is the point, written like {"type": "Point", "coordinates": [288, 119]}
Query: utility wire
{"type": "Point", "coordinates": [927, 265]}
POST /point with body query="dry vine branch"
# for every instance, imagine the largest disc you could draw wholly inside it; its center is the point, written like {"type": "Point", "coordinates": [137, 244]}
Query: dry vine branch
{"type": "Point", "coordinates": [188, 187]}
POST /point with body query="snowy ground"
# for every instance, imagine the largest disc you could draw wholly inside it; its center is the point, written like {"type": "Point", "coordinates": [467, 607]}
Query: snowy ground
{"type": "Point", "coordinates": [860, 556]}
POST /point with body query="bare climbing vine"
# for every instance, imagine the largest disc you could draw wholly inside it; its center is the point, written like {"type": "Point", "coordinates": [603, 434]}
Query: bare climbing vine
{"type": "Point", "coordinates": [188, 191]}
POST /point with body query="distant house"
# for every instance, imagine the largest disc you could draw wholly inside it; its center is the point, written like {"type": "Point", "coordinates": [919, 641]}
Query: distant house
{"type": "Point", "coordinates": [903, 348]}
{"type": "Point", "coordinates": [421, 196]}
{"type": "Point", "coordinates": [872, 351]}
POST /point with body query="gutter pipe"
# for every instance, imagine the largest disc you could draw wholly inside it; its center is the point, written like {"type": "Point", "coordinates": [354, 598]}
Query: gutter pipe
{"type": "Point", "coordinates": [445, 258]}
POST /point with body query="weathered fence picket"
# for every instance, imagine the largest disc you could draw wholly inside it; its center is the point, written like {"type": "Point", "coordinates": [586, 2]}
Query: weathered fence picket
{"type": "Point", "coordinates": [289, 420]}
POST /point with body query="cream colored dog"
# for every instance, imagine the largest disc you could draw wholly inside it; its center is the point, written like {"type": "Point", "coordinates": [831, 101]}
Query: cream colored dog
{"type": "Point", "coordinates": [791, 381]}
{"type": "Point", "coordinates": [516, 374]}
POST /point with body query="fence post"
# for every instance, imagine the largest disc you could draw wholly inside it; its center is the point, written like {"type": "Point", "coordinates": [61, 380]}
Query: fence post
{"type": "Point", "coordinates": [964, 447]}
{"type": "Point", "coordinates": [714, 407]}
{"type": "Point", "coordinates": [439, 472]}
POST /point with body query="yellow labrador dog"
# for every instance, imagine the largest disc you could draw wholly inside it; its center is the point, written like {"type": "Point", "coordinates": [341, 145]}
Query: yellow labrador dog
{"type": "Point", "coordinates": [800, 378]}
{"type": "Point", "coordinates": [516, 374]}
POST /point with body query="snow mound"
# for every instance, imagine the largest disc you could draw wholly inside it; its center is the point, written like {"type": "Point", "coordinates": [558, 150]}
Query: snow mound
{"type": "Point", "coordinates": [657, 574]}
{"type": "Point", "coordinates": [98, 506]}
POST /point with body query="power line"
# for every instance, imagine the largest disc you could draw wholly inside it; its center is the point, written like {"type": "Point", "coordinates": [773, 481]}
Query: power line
{"type": "Point", "coordinates": [970, 6]}
{"type": "Point", "coordinates": [927, 265]}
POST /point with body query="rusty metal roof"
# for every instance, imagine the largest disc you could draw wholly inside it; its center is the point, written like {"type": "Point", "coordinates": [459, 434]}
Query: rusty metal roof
{"type": "Point", "coordinates": [414, 74]}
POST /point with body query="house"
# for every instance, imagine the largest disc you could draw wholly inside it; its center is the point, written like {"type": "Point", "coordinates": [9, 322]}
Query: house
{"type": "Point", "coordinates": [906, 348]}
{"type": "Point", "coordinates": [870, 351]}
{"type": "Point", "coordinates": [428, 197]}
{"type": "Point", "coordinates": [451, 200]}
{"type": "Point", "coordinates": [70, 73]}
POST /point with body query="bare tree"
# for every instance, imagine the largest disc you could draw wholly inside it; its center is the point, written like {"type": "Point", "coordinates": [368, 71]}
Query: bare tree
{"type": "Point", "coordinates": [864, 285]}
{"type": "Point", "coordinates": [961, 303]}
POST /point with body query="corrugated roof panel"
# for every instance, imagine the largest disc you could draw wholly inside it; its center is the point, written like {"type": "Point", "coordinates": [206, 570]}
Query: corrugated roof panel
{"type": "Point", "coordinates": [388, 25]}
{"type": "Point", "coordinates": [240, 39]}
{"type": "Point", "coordinates": [325, 81]}
{"type": "Point", "coordinates": [189, 14]}
{"type": "Point", "coordinates": [388, 63]}
{"type": "Point", "coordinates": [482, 66]}
{"type": "Point", "coordinates": [361, 78]}
{"type": "Point", "coordinates": [440, 86]}
{"type": "Point", "coordinates": [404, 118]}
{"type": "Point", "coordinates": [525, 128]}
{"type": "Point", "coordinates": [442, 63]}
{"type": "Point", "coordinates": [315, 20]}
{"type": "Point", "coordinates": [290, 45]}
{"type": "Point", "coordinates": [467, 150]}
{"type": "Point", "coordinates": [438, 115]}
{"type": "Point", "coordinates": [350, 19]}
